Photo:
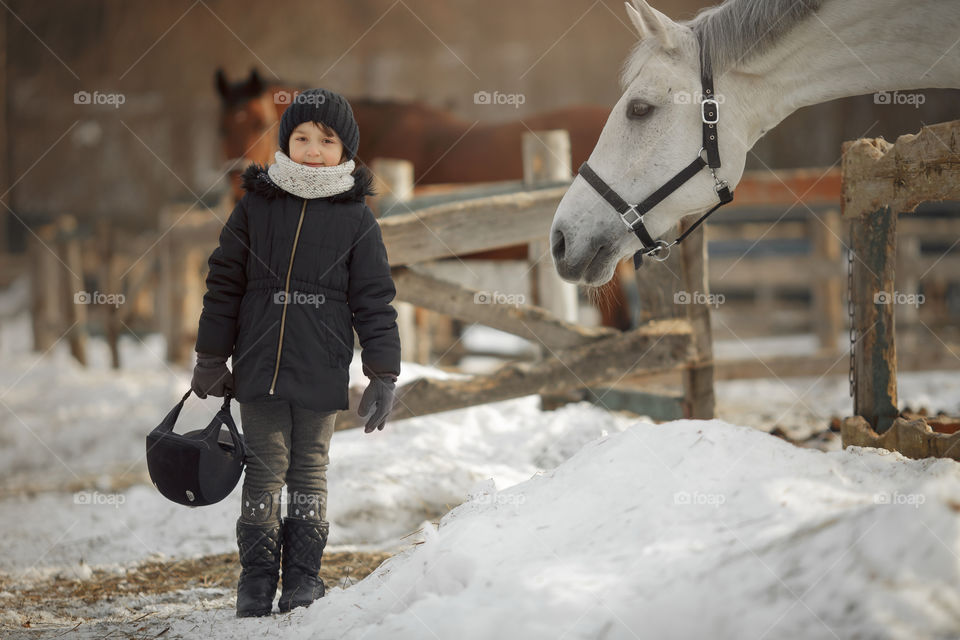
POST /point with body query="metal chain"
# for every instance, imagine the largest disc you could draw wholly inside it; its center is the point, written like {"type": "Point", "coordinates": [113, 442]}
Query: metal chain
{"type": "Point", "coordinates": [850, 308]}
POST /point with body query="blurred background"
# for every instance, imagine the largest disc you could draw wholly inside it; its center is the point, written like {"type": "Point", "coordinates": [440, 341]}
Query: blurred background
{"type": "Point", "coordinates": [125, 126]}
{"type": "Point", "coordinates": [123, 162]}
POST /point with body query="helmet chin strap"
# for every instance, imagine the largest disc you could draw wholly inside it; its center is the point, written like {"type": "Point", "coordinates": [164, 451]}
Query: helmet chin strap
{"type": "Point", "coordinates": [709, 156]}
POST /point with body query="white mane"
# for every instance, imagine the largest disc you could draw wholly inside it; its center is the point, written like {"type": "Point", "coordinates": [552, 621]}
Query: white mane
{"type": "Point", "coordinates": [732, 32]}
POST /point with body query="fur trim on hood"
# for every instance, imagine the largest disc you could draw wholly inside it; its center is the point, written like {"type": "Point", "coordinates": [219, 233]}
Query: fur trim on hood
{"type": "Point", "coordinates": [256, 180]}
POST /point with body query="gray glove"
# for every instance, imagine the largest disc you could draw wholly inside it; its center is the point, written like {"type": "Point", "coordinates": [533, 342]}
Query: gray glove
{"type": "Point", "coordinates": [377, 402]}
{"type": "Point", "coordinates": [211, 376]}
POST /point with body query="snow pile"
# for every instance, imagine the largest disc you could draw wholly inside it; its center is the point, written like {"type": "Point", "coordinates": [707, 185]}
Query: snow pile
{"type": "Point", "coordinates": [682, 530]}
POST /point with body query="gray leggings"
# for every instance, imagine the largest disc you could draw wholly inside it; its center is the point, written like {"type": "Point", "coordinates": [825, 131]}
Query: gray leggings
{"type": "Point", "coordinates": [286, 444]}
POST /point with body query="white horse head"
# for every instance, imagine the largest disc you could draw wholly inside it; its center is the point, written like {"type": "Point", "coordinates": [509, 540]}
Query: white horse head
{"type": "Point", "coordinates": [653, 131]}
{"type": "Point", "coordinates": [768, 58]}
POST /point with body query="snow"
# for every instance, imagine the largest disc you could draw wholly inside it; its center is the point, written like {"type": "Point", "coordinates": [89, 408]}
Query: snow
{"type": "Point", "coordinates": [506, 521]}
{"type": "Point", "coordinates": [642, 534]}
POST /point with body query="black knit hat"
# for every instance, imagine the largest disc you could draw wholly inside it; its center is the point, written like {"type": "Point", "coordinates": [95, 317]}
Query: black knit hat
{"type": "Point", "coordinates": [320, 105]}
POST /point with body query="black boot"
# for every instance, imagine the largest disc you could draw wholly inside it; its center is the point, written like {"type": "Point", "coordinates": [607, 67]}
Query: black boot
{"type": "Point", "coordinates": [259, 546]}
{"type": "Point", "coordinates": [303, 543]}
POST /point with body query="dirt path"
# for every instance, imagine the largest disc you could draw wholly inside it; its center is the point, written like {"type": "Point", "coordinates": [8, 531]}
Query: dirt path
{"type": "Point", "coordinates": [116, 600]}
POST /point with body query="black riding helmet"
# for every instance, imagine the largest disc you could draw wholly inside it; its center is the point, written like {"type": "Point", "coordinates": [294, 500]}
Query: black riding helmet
{"type": "Point", "coordinates": [200, 467]}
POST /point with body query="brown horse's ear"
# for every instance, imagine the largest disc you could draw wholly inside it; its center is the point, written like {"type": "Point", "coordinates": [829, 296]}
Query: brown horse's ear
{"type": "Point", "coordinates": [255, 83]}
{"type": "Point", "coordinates": [221, 82]}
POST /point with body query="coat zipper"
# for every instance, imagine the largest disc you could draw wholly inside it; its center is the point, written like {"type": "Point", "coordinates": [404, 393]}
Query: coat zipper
{"type": "Point", "coordinates": [286, 298]}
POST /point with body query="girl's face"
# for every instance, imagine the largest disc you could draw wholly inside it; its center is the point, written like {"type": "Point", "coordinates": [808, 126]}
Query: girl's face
{"type": "Point", "coordinates": [310, 145]}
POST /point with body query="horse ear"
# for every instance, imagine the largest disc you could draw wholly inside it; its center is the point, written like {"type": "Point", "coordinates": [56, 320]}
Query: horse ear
{"type": "Point", "coordinates": [220, 80]}
{"type": "Point", "coordinates": [650, 23]}
{"type": "Point", "coordinates": [255, 83]}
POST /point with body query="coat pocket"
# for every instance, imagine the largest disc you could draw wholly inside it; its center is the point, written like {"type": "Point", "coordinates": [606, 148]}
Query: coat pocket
{"type": "Point", "coordinates": [340, 336]}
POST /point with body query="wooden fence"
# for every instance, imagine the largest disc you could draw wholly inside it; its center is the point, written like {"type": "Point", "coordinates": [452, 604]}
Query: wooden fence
{"type": "Point", "coordinates": [161, 276]}
{"type": "Point", "coordinates": [880, 181]}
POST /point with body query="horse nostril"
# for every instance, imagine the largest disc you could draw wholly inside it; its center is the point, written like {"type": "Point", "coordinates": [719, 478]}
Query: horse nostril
{"type": "Point", "coordinates": [557, 245]}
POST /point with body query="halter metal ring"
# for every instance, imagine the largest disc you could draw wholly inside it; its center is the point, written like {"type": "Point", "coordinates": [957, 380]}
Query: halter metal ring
{"type": "Point", "coordinates": [661, 245]}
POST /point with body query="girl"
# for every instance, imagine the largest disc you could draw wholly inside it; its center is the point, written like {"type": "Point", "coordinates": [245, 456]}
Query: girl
{"type": "Point", "coordinates": [301, 263]}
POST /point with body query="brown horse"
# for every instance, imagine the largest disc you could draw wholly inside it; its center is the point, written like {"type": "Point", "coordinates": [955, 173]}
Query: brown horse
{"type": "Point", "coordinates": [441, 147]}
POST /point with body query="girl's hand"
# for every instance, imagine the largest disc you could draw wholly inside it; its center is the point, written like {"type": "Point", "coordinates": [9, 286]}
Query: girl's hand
{"type": "Point", "coordinates": [211, 376]}
{"type": "Point", "coordinates": [377, 403]}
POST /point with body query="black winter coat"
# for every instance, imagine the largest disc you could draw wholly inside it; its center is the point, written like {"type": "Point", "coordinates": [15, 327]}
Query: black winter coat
{"type": "Point", "coordinates": [339, 280]}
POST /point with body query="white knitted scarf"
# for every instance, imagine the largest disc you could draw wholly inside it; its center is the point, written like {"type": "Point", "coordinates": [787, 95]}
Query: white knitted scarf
{"type": "Point", "coordinates": [310, 182]}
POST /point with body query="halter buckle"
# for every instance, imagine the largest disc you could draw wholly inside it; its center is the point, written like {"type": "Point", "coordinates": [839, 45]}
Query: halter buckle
{"type": "Point", "coordinates": [719, 184]}
{"type": "Point", "coordinates": [703, 111]}
{"type": "Point", "coordinates": [623, 216]}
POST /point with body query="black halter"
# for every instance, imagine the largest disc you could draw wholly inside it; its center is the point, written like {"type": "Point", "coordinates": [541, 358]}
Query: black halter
{"type": "Point", "coordinates": [709, 116]}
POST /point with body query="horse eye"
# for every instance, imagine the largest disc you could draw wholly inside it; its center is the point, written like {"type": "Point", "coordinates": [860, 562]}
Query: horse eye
{"type": "Point", "coordinates": [637, 109]}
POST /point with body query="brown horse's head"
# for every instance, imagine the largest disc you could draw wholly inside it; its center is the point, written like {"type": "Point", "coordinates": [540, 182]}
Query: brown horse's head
{"type": "Point", "coordinates": [249, 114]}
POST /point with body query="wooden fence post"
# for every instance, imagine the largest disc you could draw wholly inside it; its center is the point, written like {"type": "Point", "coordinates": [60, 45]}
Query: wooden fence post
{"type": "Point", "coordinates": [828, 321]}
{"type": "Point", "coordinates": [172, 288]}
{"type": "Point", "coordinates": [395, 184]}
{"type": "Point", "coordinates": [880, 181]}
{"type": "Point", "coordinates": [75, 311]}
{"type": "Point", "coordinates": [699, 400]}
{"type": "Point", "coordinates": [546, 160]}
{"type": "Point", "coordinates": [678, 287]}
{"type": "Point", "coordinates": [109, 279]}
{"type": "Point", "coordinates": [45, 287]}
{"type": "Point", "coordinates": [874, 240]}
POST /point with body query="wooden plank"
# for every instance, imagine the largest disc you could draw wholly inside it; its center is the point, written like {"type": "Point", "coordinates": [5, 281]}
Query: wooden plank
{"type": "Point", "coordinates": [721, 231]}
{"type": "Point", "coordinates": [929, 229]}
{"type": "Point", "coordinates": [786, 187]}
{"type": "Point", "coordinates": [815, 365]}
{"type": "Point", "coordinates": [527, 321]}
{"type": "Point", "coordinates": [475, 225]}
{"type": "Point", "coordinates": [899, 176]}
{"type": "Point", "coordinates": [657, 346]}
{"type": "Point", "coordinates": [749, 272]}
